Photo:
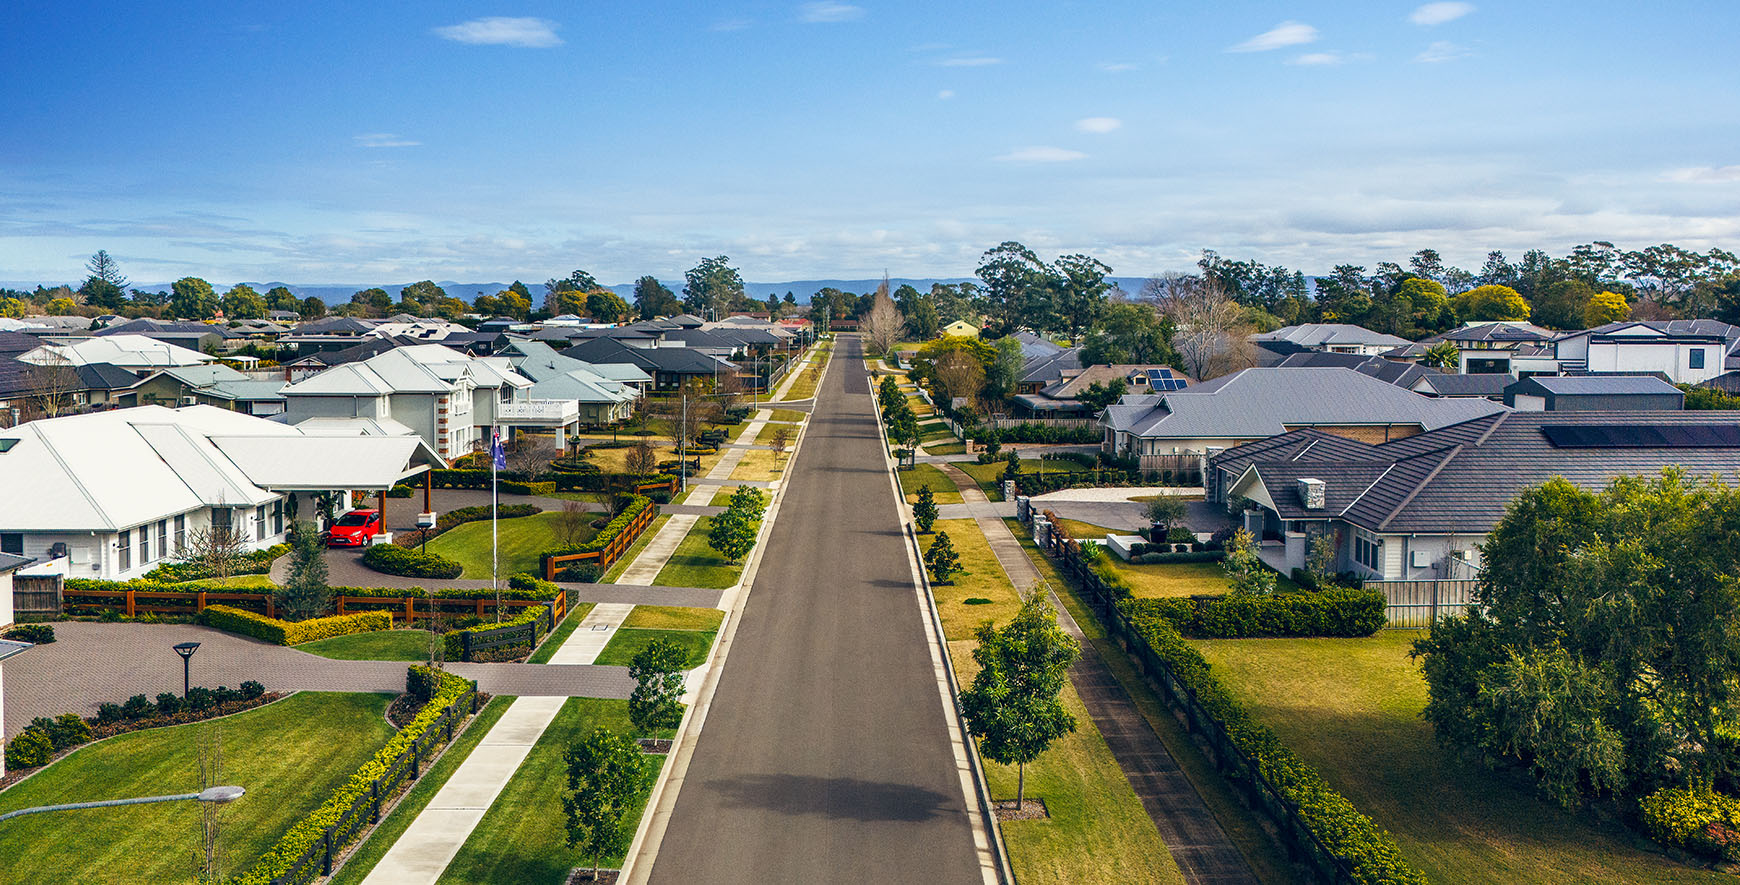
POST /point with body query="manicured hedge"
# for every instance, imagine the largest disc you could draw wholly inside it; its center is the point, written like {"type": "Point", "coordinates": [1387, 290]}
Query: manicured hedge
{"type": "Point", "coordinates": [256, 562]}
{"type": "Point", "coordinates": [454, 640]}
{"type": "Point", "coordinates": [1338, 611]}
{"type": "Point", "coordinates": [1041, 433]}
{"type": "Point", "coordinates": [614, 527]}
{"type": "Point", "coordinates": [1194, 556]}
{"type": "Point", "coordinates": [392, 559]}
{"type": "Point", "coordinates": [1369, 851]}
{"type": "Point", "coordinates": [1698, 820]}
{"type": "Point", "coordinates": [272, 630]}
{"type": "Point", "coordinates": [311, 829]}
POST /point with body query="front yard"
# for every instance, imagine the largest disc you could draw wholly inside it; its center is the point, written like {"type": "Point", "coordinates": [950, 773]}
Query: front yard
{"type": "Point", "coordinates": [523, 542]}
{"type": "Point", "coordinates": [694, 564]}
{"type": "Point", "coordinates": [408, 644]}
{"type": "Point", "coordinates": [990, 476]}
{"type": "Point", "coordinates": [289, 755]}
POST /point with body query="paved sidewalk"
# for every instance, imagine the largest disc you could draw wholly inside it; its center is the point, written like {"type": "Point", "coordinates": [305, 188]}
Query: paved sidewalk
{"type": "Point", "coordinates": [592, 635]}
{"type": "Point", "coordinates": [652, 558]}
{"type": "Point", "coordinates": [429, 844]}
{"type": "Point", "coordinates": [990, 517]}
{"type": "Point", "coordinates": [1116, 494]}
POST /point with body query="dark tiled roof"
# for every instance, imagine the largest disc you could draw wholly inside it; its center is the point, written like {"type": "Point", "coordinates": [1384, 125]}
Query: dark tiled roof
{"type": "Point", "coordinates": [1449, 384]}
{"type": "Point", "coordinates": [1307, 444]}
{"type": "Point", "coordinates": [106, 376]}
{"type": "Point", "coordinates": [675, 360]}
{"type": "Point", "coordinates": [149, 328]}
{"type": "Point", "coordinates": [1598, 385]}
{"type": "Point", "coordinates": [1401, 374]}
{"type": "Point", "coordinates": [14, 343]}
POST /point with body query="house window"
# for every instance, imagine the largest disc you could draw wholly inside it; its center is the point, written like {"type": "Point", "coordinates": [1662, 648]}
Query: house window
{"type": "Point", "coordinates": [144, 544]}
{"type": "Point", "coordinates": [163, 537]}
{"type": "Point", "coordinates": [12, 542]}
{"type": "Point", "coordinates": [1367, 552]}
{"type": "Point", "coordinates": [278, 517]}
{"type": "Point", "coordinates": [181, 532]}
{"type": "Point", "coordinates": [126, 548]}
{"type": "Point", "coordinates": [1697, 357]}
{"type": "Point", "coordinates": [221, 520]}
{"type": "Point", "coordinates": [260, 521]}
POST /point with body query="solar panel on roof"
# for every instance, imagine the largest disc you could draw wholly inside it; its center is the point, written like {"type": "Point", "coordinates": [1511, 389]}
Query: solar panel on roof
{"type": "Point", "coordinates": [1643, 436]}
{"type": "Point", "coordinates": [1160, 379]}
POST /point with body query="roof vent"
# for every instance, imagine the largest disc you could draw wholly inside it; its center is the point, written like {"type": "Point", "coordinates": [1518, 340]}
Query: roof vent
{"type": "Point", "coordinates": [1311, 493]}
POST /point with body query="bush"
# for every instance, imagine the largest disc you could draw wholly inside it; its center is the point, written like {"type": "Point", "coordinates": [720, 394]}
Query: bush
{"type": "Point", "coordinates": [516, 487]}
{"type": "Point", "coordinates": [617, 525]}
{"type": "Point", "coordinates": [1699, 820]}
{"type": "Point", "coordinates": [1192, 556]}
{"type": "Point", "coordinates": [169, 703]}
{"type": "Point", "coordinates": [256, 562]}
{"type": "Point", "coordinates": [41, 634]}
{"type": "Point", "coordinates": [63, 732]}
{"type": "Point", "coordinates": [454, 640]}
{"type": "Point", "coordinates": [1334, 612]}
{"type": "Point", "coordinates": [391, 559]}
{"type": "Point", "coordinates": [200, 698]}
{"type": "Point", "coordinates": [401, 491]}
{"type": "Point", "coordinates": [278, 632]}
{"type": "Point", "coordinates": [661, 496]}
{"type": "Point", "coordinates": [29, 749]}
{"type": "Point", "coordinates": [422, 682]}
{"type": "Point", "coordinates": [136, 707]}
{"type": "Point", "coordinates": [108, 713]}
{"type": "Point", "coordinates": [252, 690]}
{"type": "Point", "coordinates": [311, 829]}
{"type": "Point", "coordinates": [1371, 852]}
{"type": "Point", "coordinates": [584, 573]}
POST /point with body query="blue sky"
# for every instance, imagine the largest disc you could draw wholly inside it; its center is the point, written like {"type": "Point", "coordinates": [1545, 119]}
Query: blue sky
{"type": "Point", "coordinates": [383, 142]}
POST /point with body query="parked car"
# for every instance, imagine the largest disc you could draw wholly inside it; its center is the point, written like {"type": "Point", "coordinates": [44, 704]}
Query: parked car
{"type": "Point", "coordinates": [354, 529]}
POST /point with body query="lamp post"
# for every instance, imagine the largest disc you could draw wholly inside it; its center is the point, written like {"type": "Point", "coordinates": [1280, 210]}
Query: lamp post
{"type": "Point", "coordinates": [186, 650]}
{"type": "Point", "coordinates": [217, 795]}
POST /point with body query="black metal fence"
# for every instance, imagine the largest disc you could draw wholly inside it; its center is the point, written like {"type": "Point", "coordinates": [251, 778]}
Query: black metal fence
{"type": "Point", "coordinates": [316, 862]}
{"type": "Point", "coordinates": [476, 643]}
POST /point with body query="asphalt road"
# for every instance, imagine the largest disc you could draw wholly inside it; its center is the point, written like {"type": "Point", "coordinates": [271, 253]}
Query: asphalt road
{"type": "Point", "coordinates": [825, 757]}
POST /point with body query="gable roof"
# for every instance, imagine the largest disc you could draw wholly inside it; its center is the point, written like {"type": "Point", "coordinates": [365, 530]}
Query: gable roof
{"type": "Point", "coordinates": [1048, 367]}
{"type": "Point", "coordinates": [1401, 374]}
{"type": "Point", "coordinates": [1452, 384]}
{"type": "Point", "coordinates": [120, 350]}
{"type": "Point", "coordinates": [675, 360]}
{"type": "Point", "coordinates": [1314, 335]}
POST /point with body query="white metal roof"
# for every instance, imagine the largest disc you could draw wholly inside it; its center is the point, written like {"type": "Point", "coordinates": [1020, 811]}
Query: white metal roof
{"type": "Point", "coordinates": [129, 351]}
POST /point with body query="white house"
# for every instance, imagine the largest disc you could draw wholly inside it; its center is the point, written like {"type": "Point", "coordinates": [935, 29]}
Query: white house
{"type": "Point", "coordinates": [116, 493]}
{"type": "Point", "coordinates": [135, 353]}
{"type": "Point", "coordinates": [1328, 338]}
{"type": "Point", "coordinates": [1685, 351]}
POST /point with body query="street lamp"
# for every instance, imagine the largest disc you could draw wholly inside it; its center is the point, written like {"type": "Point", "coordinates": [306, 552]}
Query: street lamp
{"type": "Point", "coordinates": [215, 795]}
{"type": "Point", "coordinates": [186, 650]}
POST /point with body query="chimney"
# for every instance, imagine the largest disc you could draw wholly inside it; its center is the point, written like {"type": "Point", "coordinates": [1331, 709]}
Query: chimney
{"type": "Point", "coordinates": [1311, 493]}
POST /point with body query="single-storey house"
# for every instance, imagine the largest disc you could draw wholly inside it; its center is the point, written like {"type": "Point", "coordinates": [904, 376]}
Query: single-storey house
{"type": "Point", "coordinates": [1327, 338]}
{"type": "Point", "coordinates": [960, 328]}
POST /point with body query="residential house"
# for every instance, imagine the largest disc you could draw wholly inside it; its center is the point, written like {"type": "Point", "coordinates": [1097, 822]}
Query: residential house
{"type": "Point", "coordinates": [1327, 338]}
{"type": "Point", "coordinates": [1059, 399]}
{"type": "Point", "coordinates": [1499, 348]}
{"type": "Point", "coordinates": [1583, 393]}
{"type": "Point", "coordinates": [134, 353]}
{"type": "Point", "coordinates": [1402, 374]}
{"type": "Point", "coordinates": [670, 367]}
{"type": "Point", "coordinates": [201, 337]}
{"type": "Point", "coordinates": [215, 385]}
{"type": "Point", "coordinates": [326, 334]}
{"type": "Point", "coordinates": [1682, 351]}
{"type": "Point", "coordinates": [118, 492]}
{"type": "Point", "coordinates": [960, 328]}
{"type": "Point", "coordinates": [1419, 507]}
{"type": "Point", "coordinates": [601, 399]}
{"type": "Point", "coordinates": [1258, 403]}
{"type": "Point", "coordinates": [1450, 385]}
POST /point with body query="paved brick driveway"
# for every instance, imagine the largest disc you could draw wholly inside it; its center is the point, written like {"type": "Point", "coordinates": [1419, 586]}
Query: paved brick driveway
{"type": "Point", "coordinates": [92, 663]}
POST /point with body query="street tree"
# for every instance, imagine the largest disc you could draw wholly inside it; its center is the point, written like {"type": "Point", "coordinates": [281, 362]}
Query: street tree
{"type": "Point", "coordinates": [924, 512]}
{"type": "Point", "coordinates": [1013, 705]}
{"type": "Point", "coordinates": [731, 534]}
{"type": "Point", "coordinates": [604, 774]}
{"type": "Point", "coordinates": [779, 440]}
{"type": "Point", "coordinates": [883, 326]}
{"type": "Point", "coordinates": [941, 560]}
{"type": "Point", "coordinates": [657, 700]}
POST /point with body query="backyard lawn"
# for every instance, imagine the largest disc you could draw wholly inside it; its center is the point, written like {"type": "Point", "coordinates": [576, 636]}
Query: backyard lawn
{"type": "Point", "coordinates": [523, 541]}
{"type": "Point", "coordinates": [692, 629]}
{"type": "Point", "coordinates": [928, 475]}
{"type": "Point", "coordinates": [381, 645]}
{"type": "Point", "coordinates": [694, 564]}
{"type": "Point", "coordinates": [522, 838]}
{"type": "Point", "coordinates": [289, 755]}
{"type": "Point", "coordinates": [1351, 707]}
{"type": "Point", "coordinates": [634, 550]}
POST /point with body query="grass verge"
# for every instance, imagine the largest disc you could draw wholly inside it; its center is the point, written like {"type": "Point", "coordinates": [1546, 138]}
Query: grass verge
{"type": "Point", "coordinates": [381, 645]}
{"type": "Point", "coordinates": [694, 564]}
{"type": "Point", "coordinates": [628, 642]}
{"type": "Point", "coordinates": [290, 756]}
{"type": "Point", "coordinates": [941, 488]}
{"type": "Point", "coordinates": [759, 465]}
{"type": "Point", "coordinates": [789, 416]}
{"type": "Point", "coordinates": [983, 579]}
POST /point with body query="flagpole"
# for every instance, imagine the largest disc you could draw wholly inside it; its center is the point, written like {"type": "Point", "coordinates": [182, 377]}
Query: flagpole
{"type": "Point", "coordinates": [494, 458]}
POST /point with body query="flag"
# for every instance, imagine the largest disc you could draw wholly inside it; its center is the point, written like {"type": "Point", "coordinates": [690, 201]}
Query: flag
{"type": "Point", "coordinates": [498, 456]}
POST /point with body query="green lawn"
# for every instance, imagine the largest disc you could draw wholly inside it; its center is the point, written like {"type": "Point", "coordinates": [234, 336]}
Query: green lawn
{"type": "Point", "coordinates": [576, 613]}
{"type": "Point", "coordinates": [691, 629]}
{"type": "Point", "coordinates": [1098, 831]}
{"type": "Point", "coordinates": [1351, 707]}
{"type": "Point", "coordinates": [522, 838]}
{"type": "Point", "coordinates": [289, 755]}
{"type": "Point", "coordinates": [523, 542]}
{"type": "Point", "coordinates": [761, 465]}
{"type": "Point", "coordinates": [588, 497]}
{"type": "Point", "coordinates": [928, 475]}
{"type": "Point", "coordinates": [233, 582]}
{"type": "Point", "coordinates": [394, 825]}
{"type": "Point", "coordinates": [789, 416]}
{"type": "Point", "coordinates": [674, 617]}
{"type": "Point", "coordinates": [765, 437]}
{"type": "Point", "coordinates": [947, 448]}
{"type": "Point", "coordinates": [1087, 531]}
{"type": "Point", "coordinates": [634, 550]}
{"type": "Point", "coordinates": [805, 385]}
{"type": "Point", "coordinates": [694, 564]}
{"type": "Point", "coordinates": [381, 645]}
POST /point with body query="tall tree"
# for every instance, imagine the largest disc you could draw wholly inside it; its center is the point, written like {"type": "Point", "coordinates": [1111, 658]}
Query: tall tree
{"type": "Point", "coordinates": [281, 298]}
{"type": "Point", "coordinates": [1081, 286]}
{"type": "Point", "coordinates": [312, 308]}
{"type": "Point", "coordinates": [1018, 288]}
{"type": "Point", "coordinates": [1491, 304]}
{"type": "Point", "coordinates": [1013, 706]}
{"type": "Point", "coordinates": [713, 284]}
{"type": "Point", "coordinates": [1128, 333]}
{"type": "Point", "coordinates": [605, 306]}
{"type": "Point", "coordinates": [241, 302]}
{"type": "Point", "coordinates": [192, 298]}
{"type": "Point", "coordinates": [657, 700]}
{"type": "Point", "coordinates": [883, 326]}
{"type": "Point", "coordinates": [374, 302]}
{"type": "Point", "coordinates": [652, 298]}
{"type": "Point", "coordinates": [604, 774]}
{"type": "Point", "coordinates": [1560, 305]}
{"type": "Point", "coordinates": [106, 288]}
{"type": "Point", "coordinates": [1212, 336]}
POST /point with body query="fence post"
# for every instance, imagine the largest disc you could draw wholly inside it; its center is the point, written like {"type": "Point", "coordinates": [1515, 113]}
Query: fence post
{"type": "Point", "coordinates": [465, 643]}
{"type": "Point", "coordinates": [326, 865]}
{"type": "Point", "coordinates": [375, 801]}
{"type": "Point", "coordinates": [416, 759]}
{"type": "Point", "coordinates": [200, 603]}
{"type": "Point", "coordinates": [129, 602]}
{"type": "Point", "coordinates": [271, 607]}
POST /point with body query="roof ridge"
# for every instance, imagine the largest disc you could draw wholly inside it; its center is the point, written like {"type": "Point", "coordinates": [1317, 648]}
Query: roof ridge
{"type": "Point", "coordinates": [1449, 455]}
{"type": "Point", "coordinates": [1368, 487]}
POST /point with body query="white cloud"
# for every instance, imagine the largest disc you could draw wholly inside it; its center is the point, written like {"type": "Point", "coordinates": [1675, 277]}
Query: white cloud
{"type": "Point", "coordinates": [1441, 51]}
{"type": "Point", "coordinates": [945, 95]}
{"type": "Point", "coordinates": [828, 12]}
{"type": "Point", "coordinates": [969, 61]}
{"type": "Point", "coordinates": [1040, 155]}
{"type": "Point", "coordinates": [527, 33]}
{"type": "Point", "coordinates": [1282, 35]}
{"type": "Point", "coordinates": [1439, 13]}
{"type": "Point", "coordinates": [1098, 125]}
{"type": "Point", "coordinates": [1704, 174]}
{"type": "Point", "coordinates": [1118, 67]}
{"type": "Point", "coordinates": [1319, 58]}
{"type": "Point", "coordinates": [383, 140]}
{"type": "Point", "coordinates": [730, 24]}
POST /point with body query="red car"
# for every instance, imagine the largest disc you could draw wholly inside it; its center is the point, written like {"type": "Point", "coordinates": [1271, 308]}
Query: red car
{"type": "Point", "coordinates": [354, 529]}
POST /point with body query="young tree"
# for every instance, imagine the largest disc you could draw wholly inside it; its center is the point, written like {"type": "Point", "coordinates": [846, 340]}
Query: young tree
{"type": "Point", "coordinates": [571, 523]}
{"type": "Point", "coordinates": [52, 383]}
{"type": "Point", "coordinates": [1013, 705]}
{"type": "Point", "coordinates": [941, 559]}
{"type": "Point", "coordinates": [657, 700]}
{"type": "Point", "coordinates": [1163, 513]}
{"type": "Point", "coordinates": [1245, 569]}
{"type": "Point", "coordinates": [1321, 562]}
{"type": "Point", "coordinates": [780, 439]}
{"type": "Point", "coordinates": [531, 455]}
{"type": "Point", "coordinates": [305, 593]}
{"type": "Point", "coordinates": [1011, 465]}
{"type": "Point", "coordinates": [924, 512]}
{"type": "Point", "coordinates": [604, 772]}
{"type": "Point", "coordinates": [642, 459]}
{"type": "Point", "coordinates": [217, 551]}
{"type": "Point", "coordinates": [732, 534]}
{"type": "Point", "coordinates": [962, 377]}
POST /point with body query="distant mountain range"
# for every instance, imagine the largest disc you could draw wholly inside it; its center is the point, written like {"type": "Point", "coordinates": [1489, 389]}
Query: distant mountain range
{"type": "Point", "coordinates": [802, 290]}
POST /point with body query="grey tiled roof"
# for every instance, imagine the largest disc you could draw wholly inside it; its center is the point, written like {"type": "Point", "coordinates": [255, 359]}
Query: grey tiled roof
{"type": "Point", "coordinates": [1450, 384]}
{"type": "Point", "coordinates": [1599, 385]}
{"type": "Point", "coordinates": [1401, 374]}
{"type": "Point", "coordinates": [1326, 334]}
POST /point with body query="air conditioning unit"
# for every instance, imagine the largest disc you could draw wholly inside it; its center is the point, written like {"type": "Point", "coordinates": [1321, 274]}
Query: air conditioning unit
{"type": "Point", "coordinates": [1312, 493]}
{"type": "Point", "coordinates": [57, 550]}
{"type": "Point", "coordinates": [190, 400]}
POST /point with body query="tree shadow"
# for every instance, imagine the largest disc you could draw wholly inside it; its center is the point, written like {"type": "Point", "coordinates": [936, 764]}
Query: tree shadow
{"type": "Point", "coordinates": [835, 798]}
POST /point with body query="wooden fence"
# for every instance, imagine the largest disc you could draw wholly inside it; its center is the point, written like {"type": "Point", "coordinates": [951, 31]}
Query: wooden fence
{"type": "Point", "coordinates": [608, 556]}
{"type": "Point", "coordinates": [473, 643]}
{"type": "Point", "coordinates": [37, 596]}
{"type": "Point", "coordinates": [409, 608]}
{"type": "Point", "coordinates": [316, 862]}
{"type": "Point", "coordinates": [1417, 604]}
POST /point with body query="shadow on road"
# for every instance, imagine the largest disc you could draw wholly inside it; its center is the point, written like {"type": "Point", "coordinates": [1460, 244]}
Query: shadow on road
{"type": "Point", "coordinates": [837, 798]}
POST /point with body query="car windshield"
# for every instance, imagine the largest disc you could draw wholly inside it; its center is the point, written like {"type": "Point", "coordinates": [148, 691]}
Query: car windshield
{"type": "Point", "coordinates": [354, 519]}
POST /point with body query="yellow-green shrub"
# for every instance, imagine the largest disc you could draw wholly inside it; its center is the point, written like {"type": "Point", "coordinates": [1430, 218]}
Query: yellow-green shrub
{"type": "Point", "coordinates": [272, 630]}
{"type": "Point", "coordinates": [1696, 819]}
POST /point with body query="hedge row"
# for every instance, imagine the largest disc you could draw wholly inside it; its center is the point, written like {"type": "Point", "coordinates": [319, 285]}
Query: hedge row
{"type": "Point", "coordinates": [1192, 556]}
{"type": "Point", "coordinates": [1368, 850]}
{"type": "Point", "coordinates": [1039, 433]}
{"type": "Point", "coordinates": [278, 632]}
{"type": "Point", "coordinates": [555, 481]}
{"type": "Point", "coordinates": [614, 527]}
{"type": "Point", "coordinates": [311, 829]}
{"type": "Point", "coordinates": [1337, 611]}
{"type": "Point", "coordinates": [392, 559]}
{"type": "Point", "coordinates": [514, 590]}
{"type": "Point", "coordinates": [256, 562]}
{"type": "Point", "coordinates": [454, 640]}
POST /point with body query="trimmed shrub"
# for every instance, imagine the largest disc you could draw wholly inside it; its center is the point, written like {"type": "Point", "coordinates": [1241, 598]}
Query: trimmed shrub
{"type": "Point", "coordinates": [421, 682]}
{"type": "Point", "coordinates": [1699, 820]}
{"type": "Point", "coordinates": [1192, 556]}
{"type": "Point", "coordinates": [308, 831]}
{"type": "Point", "coordinates": [392, 559]}
{"type": "Point", "coordinates": [29, 749]}
{"type": "Point", "coordinates": [1368, 849]}
{"type": "Point", "coordinates": [616, 526]}
{"type": "Point", "coordinates": [41, 634]}
{"type": "Point", "coordinates": [278, 632]}
{"type": "Point", "coordinates": [584, 573]}
{"type": "Point", "coordinates": [108, 713]}
{"type": "Point", "coordinates": [200, 698]}
{"type": "Point", "coordinates": [256, 562]}
{"type": "Point", "coordinates": [169, 703]}
{"type": "Point", "coordinates": [1335, 612]}
{"type": "Point", "coordinates": [136, 707]}
{"type": "Point", "coordinates": [252, 690]}
{"type": "Point", "coordinates": [516, 487]}
{"type": "Point", "coordinates": [454, 640]}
